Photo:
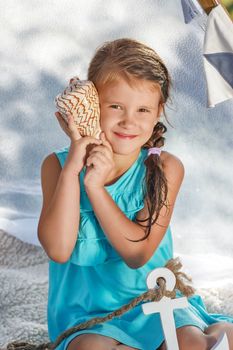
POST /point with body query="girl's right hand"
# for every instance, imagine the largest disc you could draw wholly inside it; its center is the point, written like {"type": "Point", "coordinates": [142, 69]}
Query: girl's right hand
{"type": "Point", "coordinates": [80, 146]}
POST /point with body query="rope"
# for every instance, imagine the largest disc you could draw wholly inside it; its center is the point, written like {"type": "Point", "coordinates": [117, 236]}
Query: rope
{"type": "Point", "coordinates": [155, 294]}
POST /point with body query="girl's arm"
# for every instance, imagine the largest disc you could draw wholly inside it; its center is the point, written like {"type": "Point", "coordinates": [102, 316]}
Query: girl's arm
{"type": "Point", "coordinates": [117, 226]}
{"type": "Point", "coordinates": [59, 219]}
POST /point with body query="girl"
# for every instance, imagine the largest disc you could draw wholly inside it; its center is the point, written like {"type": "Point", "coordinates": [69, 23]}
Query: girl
{"type": "Point", "coordinates": [107, 206]}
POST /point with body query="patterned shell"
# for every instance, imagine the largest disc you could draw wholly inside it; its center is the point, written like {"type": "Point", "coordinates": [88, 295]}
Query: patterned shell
{"type": "Point", "coordinates": [81, 99]}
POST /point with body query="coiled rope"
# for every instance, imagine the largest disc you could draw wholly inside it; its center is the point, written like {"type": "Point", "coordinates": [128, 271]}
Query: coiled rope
{"type": "Point", "coordinates": [155, 294]}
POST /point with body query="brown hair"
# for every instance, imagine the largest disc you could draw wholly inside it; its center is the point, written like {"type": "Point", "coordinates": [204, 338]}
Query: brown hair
{"type": "Point", "coordinates": [132, 59]}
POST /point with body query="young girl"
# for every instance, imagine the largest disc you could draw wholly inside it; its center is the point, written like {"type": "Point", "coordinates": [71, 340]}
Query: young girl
{"type": "Point", "coordinates": [107, 206]}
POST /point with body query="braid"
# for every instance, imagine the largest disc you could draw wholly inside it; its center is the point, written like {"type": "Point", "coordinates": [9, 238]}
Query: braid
{"type": "Point", "coordinates": [156, 183]}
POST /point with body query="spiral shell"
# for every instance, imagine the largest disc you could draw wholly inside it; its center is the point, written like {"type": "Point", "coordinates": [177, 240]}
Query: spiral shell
{"type": "Point", "coordinates": [81, 99]}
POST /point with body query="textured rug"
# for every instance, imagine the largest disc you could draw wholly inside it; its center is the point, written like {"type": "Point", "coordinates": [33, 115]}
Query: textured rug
{"type": "Point", "coordinates": [24, 287]}
{"type": "Point", "coordinates": [23, 292]}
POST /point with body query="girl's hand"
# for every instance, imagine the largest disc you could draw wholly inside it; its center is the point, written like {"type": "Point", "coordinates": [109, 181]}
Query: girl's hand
{"type": "Point", "coordinates": [100, 164]}
{"type": "Point", "coordinates": [68, 127]}
{"type": "Point", "coordinates": [80, 146]}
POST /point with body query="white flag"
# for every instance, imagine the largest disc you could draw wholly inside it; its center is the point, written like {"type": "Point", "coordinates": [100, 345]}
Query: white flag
{"type": "Point", "coordinates": [191, 9]}
{"type": "Point", "coordinates": [218, 56]}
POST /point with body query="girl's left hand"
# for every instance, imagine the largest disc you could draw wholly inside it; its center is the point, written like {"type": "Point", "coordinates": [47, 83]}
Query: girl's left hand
{"type": "Point", "coordinates": [100, 164]}
{"type": "Point", "coordinates": [71, 130]}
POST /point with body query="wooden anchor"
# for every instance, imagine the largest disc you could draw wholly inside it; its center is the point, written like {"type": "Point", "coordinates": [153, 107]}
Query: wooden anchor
{"type": "Point", "coordinates": [166, 306]}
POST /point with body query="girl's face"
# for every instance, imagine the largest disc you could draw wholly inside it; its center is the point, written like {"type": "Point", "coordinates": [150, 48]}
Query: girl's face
{"type": "Point", "coordinates": [129, 114]}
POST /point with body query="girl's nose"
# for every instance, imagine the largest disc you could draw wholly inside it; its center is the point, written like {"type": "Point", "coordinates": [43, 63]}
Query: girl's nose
{"type": "Point", "coordinates": [127, 118]}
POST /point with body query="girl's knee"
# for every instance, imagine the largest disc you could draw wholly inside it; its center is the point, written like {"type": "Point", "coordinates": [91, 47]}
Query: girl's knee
{"type": "Point", "coordinates": [219, 328]}
{"type": "Point", "coordinates": [192, 338]}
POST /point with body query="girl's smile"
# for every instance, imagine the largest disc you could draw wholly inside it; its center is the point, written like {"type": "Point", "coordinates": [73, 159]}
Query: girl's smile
{"type": "Point", "coordinates": [125, 136]}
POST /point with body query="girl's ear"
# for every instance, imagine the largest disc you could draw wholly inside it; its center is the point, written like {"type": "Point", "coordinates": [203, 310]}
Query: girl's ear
{"type": "Point", "coordinates": [160, 109]}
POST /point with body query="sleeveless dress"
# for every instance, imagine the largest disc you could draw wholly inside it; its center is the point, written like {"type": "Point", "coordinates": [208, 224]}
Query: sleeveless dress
{"type": "Point", "coordinates": [96, 281]}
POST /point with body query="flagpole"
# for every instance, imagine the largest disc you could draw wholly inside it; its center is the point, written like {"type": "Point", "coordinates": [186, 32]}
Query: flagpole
{"type": "Point", "coordinates": [208, 5]}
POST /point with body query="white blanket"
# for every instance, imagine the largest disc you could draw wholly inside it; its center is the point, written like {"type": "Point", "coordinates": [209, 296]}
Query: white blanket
{"type": "Point", "coordinates": [24, 286]}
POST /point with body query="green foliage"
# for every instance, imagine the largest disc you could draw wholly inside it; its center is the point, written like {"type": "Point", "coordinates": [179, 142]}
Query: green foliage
{"type": "Point", "coordinates": [229, 6]}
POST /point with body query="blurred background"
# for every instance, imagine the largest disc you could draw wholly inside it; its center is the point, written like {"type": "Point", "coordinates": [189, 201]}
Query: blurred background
{"type": "Point", "coordinates": [43, 44]}
{"type": "Point", "coordinates": [229, 6]}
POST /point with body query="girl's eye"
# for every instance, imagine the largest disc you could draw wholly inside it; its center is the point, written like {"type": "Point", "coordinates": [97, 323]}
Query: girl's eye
{"type": "Point", "coordinates": [115, 106]}
{"type": "Point", "coordinates": [144, 110]}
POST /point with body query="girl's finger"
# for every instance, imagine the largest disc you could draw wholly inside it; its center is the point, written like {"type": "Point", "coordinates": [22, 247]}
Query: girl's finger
{"type": "Point", "coordinates": [102, 149]}
{"type": "Point", "coordinates": [97, 159]}
{"type": "Point", "coordinates": [60, 118]}
{"type": "Point", "coordinates": [73, 128]}
{"type": "Point", "coordinates": [105, 141]}
{"type": "Point", "coordinates": [62, 123]}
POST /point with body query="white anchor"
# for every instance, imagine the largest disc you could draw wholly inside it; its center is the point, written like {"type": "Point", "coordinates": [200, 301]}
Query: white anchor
{"type": "Point", "coordinates": [166, 306]}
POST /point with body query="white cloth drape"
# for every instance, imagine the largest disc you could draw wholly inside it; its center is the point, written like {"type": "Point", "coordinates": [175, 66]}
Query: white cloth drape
{"type": "Point", "coordinates": [218, 56]}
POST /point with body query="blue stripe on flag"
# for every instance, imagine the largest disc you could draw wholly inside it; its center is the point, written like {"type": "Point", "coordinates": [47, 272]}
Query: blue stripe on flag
{"type": "Point", "coordinates": [189, 10]}
{"type": "Point", "coordinates": [223, 62]}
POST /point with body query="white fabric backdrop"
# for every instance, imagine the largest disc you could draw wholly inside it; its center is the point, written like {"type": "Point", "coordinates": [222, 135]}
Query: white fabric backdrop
{"type": "Point", "coordinates": [43, 44]}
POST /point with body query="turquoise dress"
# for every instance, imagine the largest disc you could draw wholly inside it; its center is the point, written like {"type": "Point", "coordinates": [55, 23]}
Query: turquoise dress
{"type": "Point", "coordinates": [96, 281]}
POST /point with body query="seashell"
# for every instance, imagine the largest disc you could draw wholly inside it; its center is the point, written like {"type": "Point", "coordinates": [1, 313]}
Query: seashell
{"type": "Point", "coordinates": [81, 99]}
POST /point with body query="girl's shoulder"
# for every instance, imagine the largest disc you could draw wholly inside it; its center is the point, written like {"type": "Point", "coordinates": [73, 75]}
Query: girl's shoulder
{"type": "Point", "coordinates": [56, 159]}
{"type": "Point", "coordinates": [167, 157]}
{"type": "Point", "coordinates": [51, 161]}
{"type": "Point", "coordinates": [172, 164]}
